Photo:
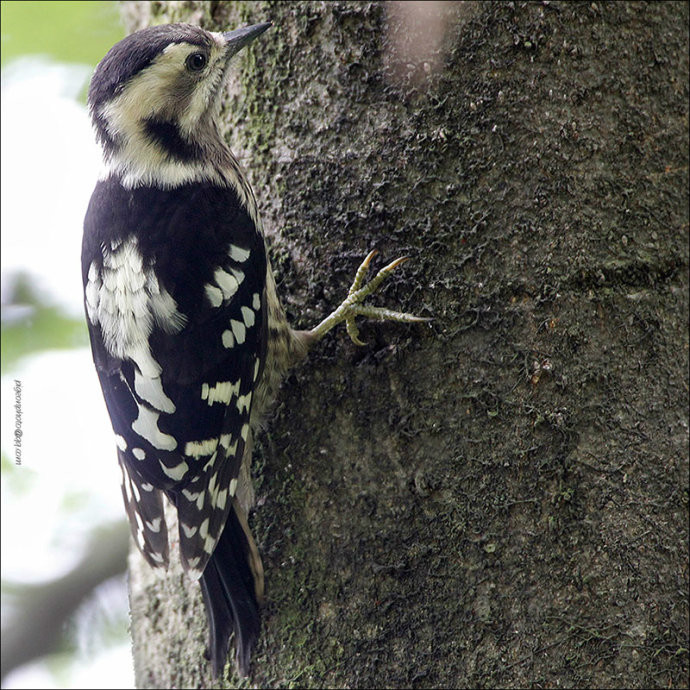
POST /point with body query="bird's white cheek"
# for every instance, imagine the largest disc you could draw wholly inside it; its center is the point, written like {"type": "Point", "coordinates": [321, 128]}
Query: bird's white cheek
{"type": "Point", "coordinates": [200, 102]}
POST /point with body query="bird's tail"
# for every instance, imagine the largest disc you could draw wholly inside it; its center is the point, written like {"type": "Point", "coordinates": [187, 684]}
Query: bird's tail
{"type": "Point", "coordinates": [232, 587]}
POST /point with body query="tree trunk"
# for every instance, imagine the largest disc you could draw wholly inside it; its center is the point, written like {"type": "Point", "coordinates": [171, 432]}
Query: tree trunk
{"type": "Point", "coordinates": [499, 498]}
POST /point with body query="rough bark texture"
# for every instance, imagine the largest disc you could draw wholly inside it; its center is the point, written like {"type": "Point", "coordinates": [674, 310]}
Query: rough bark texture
{"type": "Point", "coordinates": [500, 498]}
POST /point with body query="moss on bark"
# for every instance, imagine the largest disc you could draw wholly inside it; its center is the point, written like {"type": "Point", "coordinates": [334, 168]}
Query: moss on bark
{"type": "Point", "coordinates": [500, 498]}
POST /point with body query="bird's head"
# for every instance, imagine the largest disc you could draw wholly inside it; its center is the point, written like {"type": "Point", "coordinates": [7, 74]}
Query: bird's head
{"type": "Point", "coordinates": [154, 97]}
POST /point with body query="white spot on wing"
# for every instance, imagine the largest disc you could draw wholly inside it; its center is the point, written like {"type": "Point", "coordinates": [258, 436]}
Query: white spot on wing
{"type": "Point", "coordinates": [198, 449]}
{"type": "Point", "coordinates": [243, 402]}
{"type": "Point", "coordinates": [233, 487]}
{"type": "Point", "coordinates": [140, 524]}
{"type": "Point", "coordinates": [140, 354]}
{"type": "Point", "coordinates": [155, 525]}
{"type": "Point", "coordinates": [120, 442]}
{"type": "Point", "coordinates": [228, 339]}
{"type": "Point", "coordinates": [189, 531]}
{"type": "Point", "coordinates": [140, 454]}
{"type": "Point", "coordinates": [163, 306]}
{"type": "Point", "coordinates": [247, 316]}
{"type": "Point", "coordinates": [221, 392]}
{"type": "Point", "coordinates": [209, 543]}
{"type": "Point", "coordinates": [146, 426]}
{"type": "Point", "coordinates": [238, 330]}
{"type": "Point", "coordinates": [135, 491]}
{"type": "Point", "coordinates": [227, 283]}
{"type": "Point", "coordinates": [128, 489]}
{"type": "Point", "coordinates": [126, 299]}
{"type": "Point", "coordinates": [239, 254]}
{"type": "Point", "coordinates": [230, 450]}
{"type": "Point", "coordinates": [92, 293]}
{"type": "Point", "coordinates": [151, 389]}
{"type": "Point", "coordinates": [176, 472]}
{"type": "Point", "coordinates": [141, 543]}
{"type": "Point", "coordinates": [214, 294]}
{"type": "Point", "coordinates": [256, 301]}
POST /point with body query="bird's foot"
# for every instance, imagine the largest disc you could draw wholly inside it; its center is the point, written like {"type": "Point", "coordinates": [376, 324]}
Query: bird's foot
{"type": "Point", "coordinates": [352, 306]}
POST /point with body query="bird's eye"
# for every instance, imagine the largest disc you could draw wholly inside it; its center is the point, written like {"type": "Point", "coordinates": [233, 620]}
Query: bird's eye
{"type": "Point", "coordinates": [196, 62]}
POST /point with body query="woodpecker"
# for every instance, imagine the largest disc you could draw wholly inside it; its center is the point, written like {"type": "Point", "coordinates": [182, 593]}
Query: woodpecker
{"type": "Point", "coordinates": [187, 332]}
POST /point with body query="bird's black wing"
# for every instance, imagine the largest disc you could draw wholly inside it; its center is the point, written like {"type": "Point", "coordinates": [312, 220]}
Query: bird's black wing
{"type": "Point", "coordinates": [174, 287]}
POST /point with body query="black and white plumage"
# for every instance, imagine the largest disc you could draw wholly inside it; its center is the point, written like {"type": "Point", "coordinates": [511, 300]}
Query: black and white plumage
{"type": "Point", "coordinates": [187, 332]}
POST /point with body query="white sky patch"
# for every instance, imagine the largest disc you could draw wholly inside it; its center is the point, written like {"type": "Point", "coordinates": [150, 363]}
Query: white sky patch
{"type": "Point", "coordinates": [48, 145]}
{"type": "Point", "coordinates": [111, 669]}
{"type": "Point", "coordinates": [69, 456]}
{"type": "Point", "coordinates": [69, 480]}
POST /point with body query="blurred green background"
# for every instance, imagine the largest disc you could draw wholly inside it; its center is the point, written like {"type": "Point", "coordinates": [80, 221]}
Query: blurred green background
{"type": "Point", "coordinates": [47, 52]}
{"type": "Point", "coordinates": [73, 31]}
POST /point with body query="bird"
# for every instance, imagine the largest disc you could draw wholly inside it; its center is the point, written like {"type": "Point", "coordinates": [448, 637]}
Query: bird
{"type": "Point", "coordinates": [187, 332]}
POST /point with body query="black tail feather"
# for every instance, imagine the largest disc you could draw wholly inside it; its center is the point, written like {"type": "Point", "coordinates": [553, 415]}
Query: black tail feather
{"type": "Point", "coordinates": [227, 585]}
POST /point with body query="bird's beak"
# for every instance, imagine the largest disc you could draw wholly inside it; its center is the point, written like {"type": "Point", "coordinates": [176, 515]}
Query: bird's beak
{"type": "Point", "coordinates": [236, 40]}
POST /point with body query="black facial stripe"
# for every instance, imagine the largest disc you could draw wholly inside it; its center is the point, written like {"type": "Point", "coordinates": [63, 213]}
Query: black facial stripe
{"type": "Point", "coordinates": [167, 136]}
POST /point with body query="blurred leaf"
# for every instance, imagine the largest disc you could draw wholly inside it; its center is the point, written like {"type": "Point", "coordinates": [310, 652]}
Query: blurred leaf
{"type": "Point", "coordinates": [37, 327]}
{"type": "Point", "coordinates": [17, 479]}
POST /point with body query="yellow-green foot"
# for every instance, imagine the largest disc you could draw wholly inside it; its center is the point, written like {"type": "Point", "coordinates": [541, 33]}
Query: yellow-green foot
{"type": "Point", "coordinates": [352, 306]}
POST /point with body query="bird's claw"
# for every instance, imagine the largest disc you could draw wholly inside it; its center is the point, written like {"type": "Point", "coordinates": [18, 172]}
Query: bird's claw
{"type": "Point", "coordinates": [352, 306]}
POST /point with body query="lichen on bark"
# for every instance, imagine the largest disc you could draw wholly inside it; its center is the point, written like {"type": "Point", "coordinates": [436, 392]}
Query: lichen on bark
{"type": "Point", "coordinates": [500, 498]}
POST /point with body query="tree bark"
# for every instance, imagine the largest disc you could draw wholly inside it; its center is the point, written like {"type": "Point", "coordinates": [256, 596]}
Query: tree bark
{"type": "Point", "coordinates": [499, 498]}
